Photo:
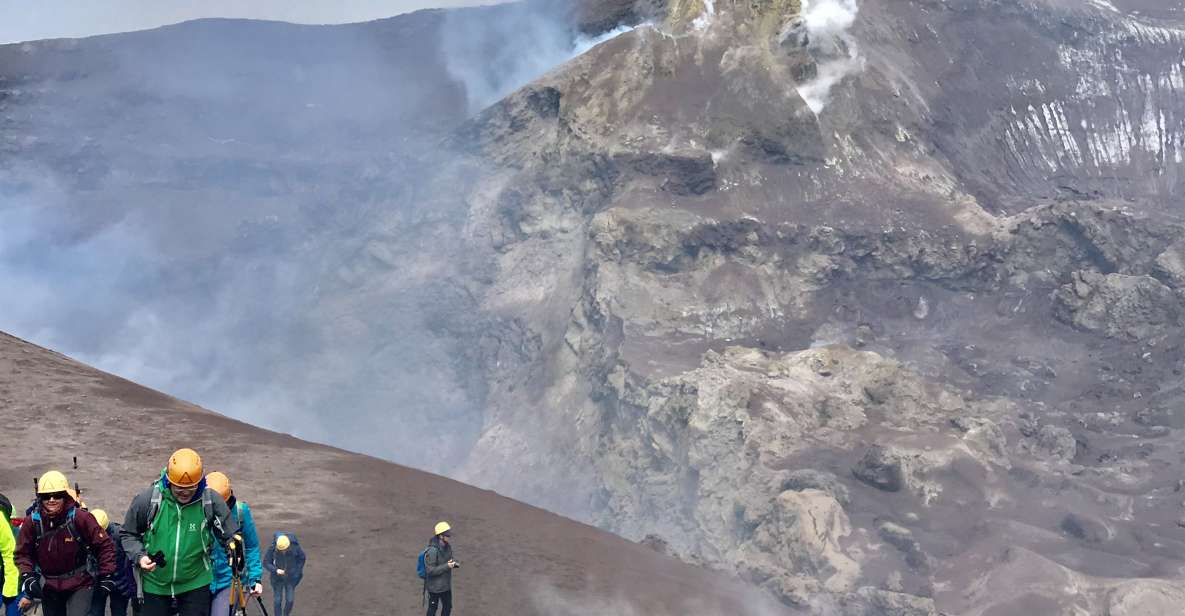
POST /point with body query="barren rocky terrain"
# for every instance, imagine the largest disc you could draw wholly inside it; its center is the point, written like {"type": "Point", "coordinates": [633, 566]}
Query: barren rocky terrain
{"type": "Point", "coordinates": [877, 307]}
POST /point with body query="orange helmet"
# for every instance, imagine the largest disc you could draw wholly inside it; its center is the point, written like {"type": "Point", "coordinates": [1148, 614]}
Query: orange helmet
{"type": "Point", "coordinates": [185, 468]}
{"type": "Point", "coordinates": [220, 483]}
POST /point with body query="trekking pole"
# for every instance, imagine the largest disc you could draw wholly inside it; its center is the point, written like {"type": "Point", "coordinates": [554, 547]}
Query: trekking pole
{"type": "Point", "coordinates": [237, 558]}
{"type": "Point", "coordinates": [139, 585]}
{"type": "Point", "coordinates": [238, 597]}
{"type": "Point", "coordinates": [261, 608]}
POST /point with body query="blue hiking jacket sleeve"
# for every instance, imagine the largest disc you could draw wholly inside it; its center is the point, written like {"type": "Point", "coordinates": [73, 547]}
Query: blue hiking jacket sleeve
{"type": "Point", "coordinates": [269, 559]}
{"type": "Point", "coordinates": [223, 576]}
{"type": "Point", "coordinates": [251, 543]}
{"type": "Point", "coordinates": [299, 568]}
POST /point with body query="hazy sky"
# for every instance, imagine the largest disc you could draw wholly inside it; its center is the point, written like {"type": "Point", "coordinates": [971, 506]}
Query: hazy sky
{"type": "Point", "coordinates": [27, 20]}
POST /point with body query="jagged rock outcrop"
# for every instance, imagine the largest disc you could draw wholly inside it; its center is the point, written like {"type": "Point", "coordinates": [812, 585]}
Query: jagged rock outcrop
{"type": "Point", "coordinates": [876, 308]}
{"type": "Point", "coordinates": [1135, 307]}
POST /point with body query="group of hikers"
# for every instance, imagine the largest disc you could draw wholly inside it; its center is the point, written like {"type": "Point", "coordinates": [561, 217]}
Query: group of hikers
{"type": "Point", "coordinates": [187, 546]}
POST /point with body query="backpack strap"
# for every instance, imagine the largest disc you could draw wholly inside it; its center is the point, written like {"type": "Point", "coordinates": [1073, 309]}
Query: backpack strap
{"type": "Point", "coordinates": [154, 508]}
{"type": "Point", "coordinates": [211, 518]}
{"type": "Point", "coordinates": [39, 530]}
{"type": "Point", "coordinates": [83, 549]}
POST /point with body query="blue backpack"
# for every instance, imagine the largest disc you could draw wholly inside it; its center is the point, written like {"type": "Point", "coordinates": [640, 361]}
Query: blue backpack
{"type": "Point", "coordinates": [421, 566]}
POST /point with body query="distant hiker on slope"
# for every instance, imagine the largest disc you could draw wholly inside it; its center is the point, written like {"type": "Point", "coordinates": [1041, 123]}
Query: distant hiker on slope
{"type": "Point", "coordinates": [438, 570]}
{"type": "Point", "coordinates": [52, 552]}
{"type": "Point", "coordinates": [285, 561]}
{"type": "Point", "coordinates": [223, 575]}
{"type": "Point", "coordinates": [125, 583]}
{"type": "Point", "coordinates": [170, 532]}
{"type": "Point", "coordinates": [9, 575]}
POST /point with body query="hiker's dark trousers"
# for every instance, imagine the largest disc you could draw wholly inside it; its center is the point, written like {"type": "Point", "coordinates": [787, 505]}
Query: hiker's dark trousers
{"type": "Point", "coordinates": [77, 603]}
{"type": "Point", "coordinates": [444, 599]}
{"type": "Point", "coordinates": [192, 603]}
{"type": "Point", "coordinates": [119, 604]}
{"type": "Point", "coordinates": [284, 595]}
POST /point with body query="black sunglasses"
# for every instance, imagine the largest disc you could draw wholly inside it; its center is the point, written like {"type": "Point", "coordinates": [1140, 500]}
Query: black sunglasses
{"type": "Point", "coordinates": [446, 534]}
{"type": "Point", "coordinates": [53, 496]}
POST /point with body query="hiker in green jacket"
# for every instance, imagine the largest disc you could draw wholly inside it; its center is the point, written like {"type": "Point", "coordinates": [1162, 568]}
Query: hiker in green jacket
{"type": "Point", "coordinates": [170, 532]}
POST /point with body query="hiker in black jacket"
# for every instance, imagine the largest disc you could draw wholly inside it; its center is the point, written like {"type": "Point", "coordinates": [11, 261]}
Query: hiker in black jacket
{"type": "Point", "coordinates": [439, 565]}
{"type": "Point", "coordinates": [285, 562]}
{"type": "Point", "coordinates": [125, 582]}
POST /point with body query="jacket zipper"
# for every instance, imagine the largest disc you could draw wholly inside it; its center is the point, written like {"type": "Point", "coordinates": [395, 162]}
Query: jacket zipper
{"type": "Point", "coordinates": [176, 551]}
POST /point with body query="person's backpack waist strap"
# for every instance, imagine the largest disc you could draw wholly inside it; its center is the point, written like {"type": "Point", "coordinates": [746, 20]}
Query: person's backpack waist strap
{"type": "Point", "coordinates": [65, 576]}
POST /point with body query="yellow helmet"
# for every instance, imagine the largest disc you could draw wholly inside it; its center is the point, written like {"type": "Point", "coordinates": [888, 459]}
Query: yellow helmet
{"type": "Point", "coordinates": [283, 543]}
{"type": "Point", "coordinates": [101, 518]}
{"type": "Point", "coordinates": [185, 468]}
{"type": "Point", "coordinates": [442, 528]}
{"type": "Point", "coordinates": [220, 483]}
{"type": "Point", "coordinates": [51, 482]}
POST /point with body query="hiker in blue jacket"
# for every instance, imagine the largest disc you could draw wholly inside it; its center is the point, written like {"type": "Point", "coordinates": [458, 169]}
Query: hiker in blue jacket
{"type": "Point", "coordinates": [285, 562]}
{"type": "Point", "coordinates": [220, 588]}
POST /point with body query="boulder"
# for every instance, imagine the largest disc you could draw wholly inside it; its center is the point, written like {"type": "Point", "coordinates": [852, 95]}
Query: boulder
{"type": "Point", "coordinates": [882, 468]}
{"type": "Point", "coordinates": [1144, 598]}
{"type": "Point", "coordinates": [1056, 443]}
{"type": "Point", "coordinates": [811, 479]}
{"type": "Point", "coordinates": [1117, 306]}
{"type": "Point", "coordinates": [1084, 528]}
{"type": "Point", "coordinates": [1170, 266]}
{"type": "Point", "coordinates": [902, 538]}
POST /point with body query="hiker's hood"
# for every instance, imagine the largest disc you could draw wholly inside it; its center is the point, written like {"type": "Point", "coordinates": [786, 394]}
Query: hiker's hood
{"type": "Point", "coordinates": [291, 537]}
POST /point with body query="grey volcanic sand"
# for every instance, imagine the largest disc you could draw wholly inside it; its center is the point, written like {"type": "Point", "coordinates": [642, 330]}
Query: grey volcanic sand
{"type": "Point", "coordinates": [361, 520]}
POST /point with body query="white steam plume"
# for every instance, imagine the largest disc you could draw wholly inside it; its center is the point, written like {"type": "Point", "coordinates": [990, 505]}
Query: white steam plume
{"type": "Point", "coordinates": [493, 58]}
{"type": "Point", "coordinates": [828, 23]}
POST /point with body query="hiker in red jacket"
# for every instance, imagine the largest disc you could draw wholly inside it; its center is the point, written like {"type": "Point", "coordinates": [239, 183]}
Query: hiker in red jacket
{"type": "Point", "coordinates": [55, 542]}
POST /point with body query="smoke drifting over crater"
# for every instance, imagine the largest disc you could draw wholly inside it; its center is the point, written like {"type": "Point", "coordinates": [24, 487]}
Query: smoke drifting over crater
{"type": "Point", "coordinates": [838, 53]}
{"type": "Point", "coordinates": [182, 207]}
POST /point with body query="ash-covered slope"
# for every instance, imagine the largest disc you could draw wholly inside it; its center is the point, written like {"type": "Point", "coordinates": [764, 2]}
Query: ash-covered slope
{"type": "Point", "coordinates": [361, 520]}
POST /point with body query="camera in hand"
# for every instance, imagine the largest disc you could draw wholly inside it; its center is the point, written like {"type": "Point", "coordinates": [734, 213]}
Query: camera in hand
{"type": "Point", "coordinates": [159, 558]}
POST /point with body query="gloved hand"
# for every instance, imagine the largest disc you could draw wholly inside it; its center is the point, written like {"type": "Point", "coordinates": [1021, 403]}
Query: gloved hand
{"type": "Point", "coordinates": [107, 585]}
{"type": "Point", "coordinates": [31, 585]}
